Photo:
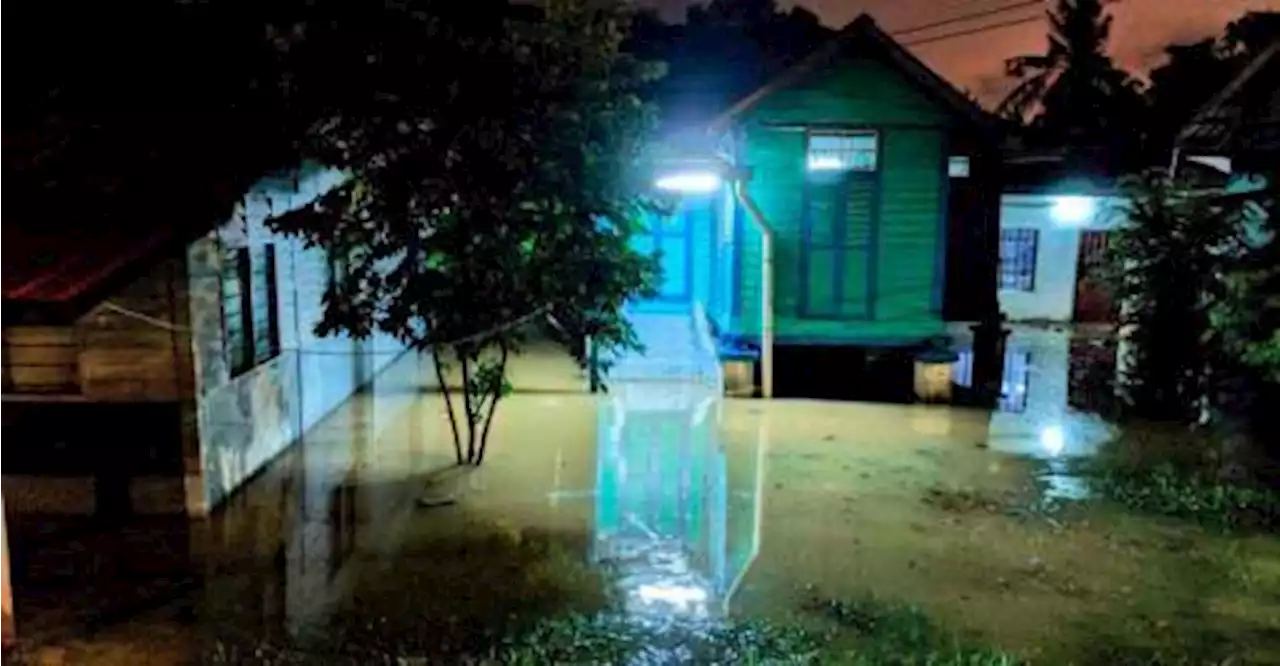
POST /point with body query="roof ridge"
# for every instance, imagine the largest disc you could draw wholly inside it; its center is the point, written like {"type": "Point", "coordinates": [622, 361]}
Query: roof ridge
{"type": "Point", "coordinates": [863, 25]}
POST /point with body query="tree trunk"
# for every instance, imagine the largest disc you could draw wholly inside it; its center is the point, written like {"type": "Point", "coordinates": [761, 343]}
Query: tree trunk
{"type": "Point", "coordinates": [493, 406]}
{"type": "Point", "coordinates": [448, 403]}
{"type": "Point", "coordinates": [469, 407]}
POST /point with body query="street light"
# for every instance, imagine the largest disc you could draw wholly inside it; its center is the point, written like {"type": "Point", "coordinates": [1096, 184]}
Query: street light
{"type": "Point", "coordinates": [1072, 209]}
{"type": "Point", "coordinates": [689, 182]}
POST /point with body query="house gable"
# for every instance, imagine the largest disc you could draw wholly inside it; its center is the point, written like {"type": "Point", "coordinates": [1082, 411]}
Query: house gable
{"type": "Point", "coordinates": [859, 43]}
{"type": "Point", "coordinates": [852, 89]}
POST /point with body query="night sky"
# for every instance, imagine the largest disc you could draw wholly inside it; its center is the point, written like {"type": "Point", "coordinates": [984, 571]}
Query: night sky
{"type": "Point", "coordinates": [1139, 32]}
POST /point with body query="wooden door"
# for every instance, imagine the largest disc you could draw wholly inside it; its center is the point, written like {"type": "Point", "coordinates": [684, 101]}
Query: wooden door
{"type": "Point", "coordinates": [1093, 299]}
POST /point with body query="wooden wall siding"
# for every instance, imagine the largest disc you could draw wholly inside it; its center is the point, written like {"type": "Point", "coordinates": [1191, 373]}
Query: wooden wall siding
{"type": "Point", "coordinates": [850, 90]}
{"type": "Point", "coordinates": [109, 356]}
{"type": "Point", "coordinates": [124, 357]}
{"type": "Point", "coordinates": [910, 229]}
{"type": "Point", "coordinates": [41, 360]}
{"type": "Point", "coordinates": [853, 92]}
{"type": "Point", "coordinates": [117, 367]}
{"type": "Point", "coordinates": [777, 183]}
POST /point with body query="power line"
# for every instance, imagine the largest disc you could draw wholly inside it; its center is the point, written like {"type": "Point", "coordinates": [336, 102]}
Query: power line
{"type": "Point", "coordinates": [973, 31]}
{"type": "Point", "coordinates": [994, 11]}
{"type": "Point", "coordinates": [977, 29]}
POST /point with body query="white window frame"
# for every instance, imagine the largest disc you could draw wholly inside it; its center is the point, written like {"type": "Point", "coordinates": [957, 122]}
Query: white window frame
{"type": "Point", "coordinates": [839, 150]}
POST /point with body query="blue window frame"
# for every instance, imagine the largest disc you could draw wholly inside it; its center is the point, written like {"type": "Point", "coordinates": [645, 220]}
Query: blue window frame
{"type": "Point", "coordinates": [671, 237]}
{"type": "Point", "coordinates": [1018, 259]}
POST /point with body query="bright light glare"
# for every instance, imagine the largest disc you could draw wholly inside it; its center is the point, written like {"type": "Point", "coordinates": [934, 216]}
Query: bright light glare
{"type": "Point", "coordinates": [1053, 440]}
{"type": "Point", "coordinates": [692, 181]}
{"type": "Point", "coordinates": [673, 594]}
{"type": "Point", "coordinates": [825, 163]}
{"type": "Point", "coordinates": [1073, 209]}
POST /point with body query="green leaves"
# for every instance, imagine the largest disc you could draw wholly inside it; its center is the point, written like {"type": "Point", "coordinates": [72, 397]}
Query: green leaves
{"type": "Point", "coordinates": [1165, 271]}
{"type": "Point", "coordinates": [496, 165]}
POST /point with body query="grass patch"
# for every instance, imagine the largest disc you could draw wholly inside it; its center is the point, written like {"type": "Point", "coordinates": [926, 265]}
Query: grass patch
{"type": "Point", "coordinates": [1188, 475]}
{"type": "Point", "coordinates": [1166, 491]}
{"type": "Point", "coordinates": [860, 632]}
{"type": "Point", "coordinates": [873, 632]}
{"type": "Point", "coordinates": [617, 639]}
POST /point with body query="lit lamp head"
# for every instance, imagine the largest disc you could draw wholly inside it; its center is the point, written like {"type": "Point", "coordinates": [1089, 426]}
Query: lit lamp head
{"type": "Point", "coordinates": [1073, 209]}
{"type": "Point", "coordinates": [689, 181]}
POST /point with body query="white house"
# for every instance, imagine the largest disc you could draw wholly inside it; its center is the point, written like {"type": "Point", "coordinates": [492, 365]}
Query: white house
{"type": "Point", "coordinates": [1052, 235]}
{"type": "Point", "coordinates": [1049, 244]}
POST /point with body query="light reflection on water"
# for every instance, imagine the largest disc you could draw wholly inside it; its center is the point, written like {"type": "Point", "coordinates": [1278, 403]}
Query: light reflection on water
{"type": "Point", "coordinates": [663, 523]}
{"type": "Point", "coordinates": [1035, 416]}
{"type": "Point", "coordinates": [675, 497]}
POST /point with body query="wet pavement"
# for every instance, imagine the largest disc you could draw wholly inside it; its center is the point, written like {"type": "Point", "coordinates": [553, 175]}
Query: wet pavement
{"type": "Point", "coordinates": [662, 500]}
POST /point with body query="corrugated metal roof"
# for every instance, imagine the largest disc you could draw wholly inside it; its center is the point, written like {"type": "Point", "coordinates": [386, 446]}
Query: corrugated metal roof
{"type": "Point", "coordinates": [59, 267]}
{"type": "Point", "coordinates": [1213, 126]}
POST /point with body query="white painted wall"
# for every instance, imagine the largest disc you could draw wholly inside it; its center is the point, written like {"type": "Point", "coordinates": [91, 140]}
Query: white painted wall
{"type": "Point", "coordinates": [1058, 248]}
{"type": "Point", "coordinates": [247, 420]}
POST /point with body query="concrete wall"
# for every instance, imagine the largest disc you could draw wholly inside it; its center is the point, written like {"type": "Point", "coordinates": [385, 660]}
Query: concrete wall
{"type": "Point", "coordinates": [1052, 297]}
{"type": "Point", "coordinates": [243, 422]}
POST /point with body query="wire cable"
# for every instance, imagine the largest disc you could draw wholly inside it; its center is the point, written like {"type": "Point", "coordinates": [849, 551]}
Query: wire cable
{"type": "Point", "coordinates": [994, 11]}
{"type": "Point", "coordinates": [976, 29]}
{"type": "Point", "coordinates": [170, 326]}
{"type": "Point", "coordinates": [973, 31]}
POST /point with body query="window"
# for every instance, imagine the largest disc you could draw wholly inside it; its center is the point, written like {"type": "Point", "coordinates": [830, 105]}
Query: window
{"type": "Point", "coordinates": [958, 166]}
{"type": "Point", "coordinates": [235, 296]}
{"type": "Point", "coordinates": [249, 307]}
{"type": "Point", "coordinates": [1018, 259]}
{"type": "Point", "coordinates": [842, 151]}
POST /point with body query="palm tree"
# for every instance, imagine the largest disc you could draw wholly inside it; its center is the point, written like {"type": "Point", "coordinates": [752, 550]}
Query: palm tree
{"type": "Point", "coordinates": [1074, 90]}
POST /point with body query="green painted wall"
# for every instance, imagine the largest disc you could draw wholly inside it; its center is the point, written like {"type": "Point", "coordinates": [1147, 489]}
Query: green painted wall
{"type": "Point", "coordinates": [906, 214]}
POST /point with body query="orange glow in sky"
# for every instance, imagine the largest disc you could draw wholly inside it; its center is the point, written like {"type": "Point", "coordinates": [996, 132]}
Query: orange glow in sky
{"type": "Point", "coordinates": [1139, 31]}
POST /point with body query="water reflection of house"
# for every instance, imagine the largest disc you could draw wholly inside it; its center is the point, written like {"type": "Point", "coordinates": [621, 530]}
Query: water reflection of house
{"type": "Point", "coordinates": [1037, 412]}
{"type": "Point", "coordinates": [662, 513]}
{"type": "Point", "coordinates": [189, 338]}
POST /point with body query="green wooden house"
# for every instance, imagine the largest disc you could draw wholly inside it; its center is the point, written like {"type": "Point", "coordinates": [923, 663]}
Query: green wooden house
{"type": "Point", "coordinates": [878, 182]}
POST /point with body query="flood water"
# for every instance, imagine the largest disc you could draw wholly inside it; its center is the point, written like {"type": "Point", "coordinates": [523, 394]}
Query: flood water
{"type": "Point", "coordinates": [668, 504]}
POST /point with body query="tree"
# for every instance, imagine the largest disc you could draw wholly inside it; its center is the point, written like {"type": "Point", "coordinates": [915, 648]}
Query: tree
{"type": "Point", "coordinates": [723, 51]}
{"type": "Point", "coordinates": [1193, 74]}
{"type": "Point", "coordinates": [496, 177]}
{"type": "Point", "coordinates": [1165, 269]}
{"type": "Point", "coordinates": [1073, 92]}
{"type": "Point", "coordinates": [101, 131]}
{"type": "Point", "coordinates": [1250, 35]}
